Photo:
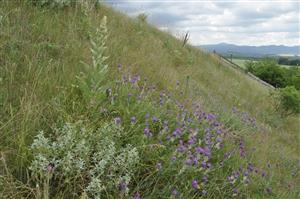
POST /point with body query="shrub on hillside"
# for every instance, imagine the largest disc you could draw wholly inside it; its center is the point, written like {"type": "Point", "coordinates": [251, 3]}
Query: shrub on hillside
{"type": "Point", "coordinates": [288, 101]}
{"type": "Point", "coordinates": [269, 71]}
{"type": "Point", "coordinates": [293, 76]}
{"type": "Point", "coordinates": [278, 76]}
{"type": "Point", "coordinates": [293, 61]}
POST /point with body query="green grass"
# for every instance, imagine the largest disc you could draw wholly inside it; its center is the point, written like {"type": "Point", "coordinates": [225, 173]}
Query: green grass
{"type": "Point", "coordinates": [41, 51]}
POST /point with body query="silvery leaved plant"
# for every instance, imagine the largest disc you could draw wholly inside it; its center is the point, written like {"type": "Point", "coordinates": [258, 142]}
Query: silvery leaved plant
{"type": "Point", "coordinates": [78, 153]}
{"type": "Point", "coordinates": [64, 3]}
{"type": "Point", "coordinates": [53, 3]}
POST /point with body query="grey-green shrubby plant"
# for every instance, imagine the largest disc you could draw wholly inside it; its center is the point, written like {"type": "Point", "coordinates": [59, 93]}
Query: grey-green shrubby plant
{"type": "Point", "coordinates": [63, 3]}
{"type": "Point", "coordinates": [78, 153]}
{"type": "Point", "coordinates": [53, 3]}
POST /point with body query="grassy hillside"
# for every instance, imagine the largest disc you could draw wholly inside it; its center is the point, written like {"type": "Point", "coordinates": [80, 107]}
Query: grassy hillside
{"type": "Point", "coordinates": [43, 50]}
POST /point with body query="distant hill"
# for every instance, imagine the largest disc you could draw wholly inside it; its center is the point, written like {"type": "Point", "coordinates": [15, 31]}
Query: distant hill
{"type": "Point", "coordinates": [252, 51]}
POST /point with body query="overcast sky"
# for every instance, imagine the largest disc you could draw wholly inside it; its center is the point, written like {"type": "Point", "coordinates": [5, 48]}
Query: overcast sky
{"type": "Point", "coordinates": [240, 22]}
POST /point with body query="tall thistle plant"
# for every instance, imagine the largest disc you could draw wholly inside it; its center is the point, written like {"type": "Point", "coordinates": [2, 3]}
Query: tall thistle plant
{"type": "Point", "coordinates": [91, 82]}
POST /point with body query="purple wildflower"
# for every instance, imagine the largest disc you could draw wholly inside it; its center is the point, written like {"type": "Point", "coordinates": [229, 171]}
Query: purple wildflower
{"type": "Point", "coordinates": [181, 147]}
{"type": "Point", "coordinates": [134, 79]}
{"type": "Point", "coordinates": [235, 191]}
{"type": "Point", "coordinates": [200, 150]}
{"type": "Point", "coordinates": [158, 166]}
{"type": "Point", "coordinates": [216, 124]}
{"type": "Point", "coordinates": [250, 167]}
{"type": "Point", "coordinates": [191, 141]}
{"type": "Point", "coordinates": [204, 192]}
{"type": "Point", "coordinates": [207, 152]}
{"type": "Point", "coordinates": [119, 66]}
{"type": "Point", "coordinates": [174, 192]}
{"type": "Point", "coordinates": [147, 132]}
{"type": "Point", "coordinates": [204, 179]}
{"type": "Point", "coordinates": [219, 131]}
{"type": "Point", "coordinates": [195, 161]}
{"type": "Point", "coordinates": [204, 165]}
{"type": "Point", "coordinates": [189, 162]}
{"type": "Point", "coordinates": [125, 80]}
{"type": "Point", "coordinates": [242, 149]}
{"type": "Point", "coordinates": [207, 130]}
{"type": "Point", "coordinates": [147, 115]}
{"type": "Point", "coordinates": [177, 132]}
{"type": "Point", "coordinates": [195, 184]}
{"type": "Point", "coordinates": [211, 116]}
{"type": "Point", "coordinates": [236, 174]}
{"type": "Point", "coordinates": [50, 168]}
{"type": "Point", "coordinates": [123, 186]}
{"type": "Point", "coordinates": [133, 120]}
{"type": "Point", "coordinates": [269, 190]}
{"type": "Point", "coordinates": [219, 140]}
{"type": "Point", "coordinates": [161, 102]}
{"type": "Point", "coordinates": [154, 119]}
{"type": "Point", "coordinates": [118, 121]}
{"type": "Point", "coordinates": [137, 196]}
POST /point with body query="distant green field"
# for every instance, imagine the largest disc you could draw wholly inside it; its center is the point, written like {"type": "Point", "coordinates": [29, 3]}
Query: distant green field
{"type": "Point", "coordinates": [241, 62]}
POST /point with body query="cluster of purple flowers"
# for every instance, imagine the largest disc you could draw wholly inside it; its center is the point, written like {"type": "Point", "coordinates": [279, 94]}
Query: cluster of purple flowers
{"type": "Point", "coordinates": [197, 138]}
{"type": "Point", "coordinates": [242, 148]}
{"type": "Point", "coordinates": [245, 117]}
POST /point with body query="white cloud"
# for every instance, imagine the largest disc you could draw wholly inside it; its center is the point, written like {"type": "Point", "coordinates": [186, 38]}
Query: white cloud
{"type": "Point", "coordinates": [240, 22]}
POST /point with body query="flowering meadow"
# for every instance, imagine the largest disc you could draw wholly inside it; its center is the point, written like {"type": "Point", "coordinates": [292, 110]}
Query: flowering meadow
{"type": "Point", "coordinates": [102, 129]}
{"type": "Point", "coordinates": [150, 146]}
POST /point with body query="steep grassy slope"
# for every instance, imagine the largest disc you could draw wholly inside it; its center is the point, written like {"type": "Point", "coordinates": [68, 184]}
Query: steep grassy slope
{"type": "Point", "coordinates": [161, 58]}
{"type": "Point", "coordinates": [41, 51]}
